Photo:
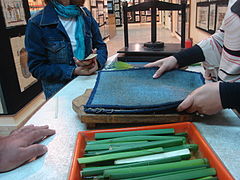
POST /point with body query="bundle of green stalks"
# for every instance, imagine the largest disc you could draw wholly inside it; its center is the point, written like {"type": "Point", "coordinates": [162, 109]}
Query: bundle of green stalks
{"type": "Point", "coordinates": [147, 154]}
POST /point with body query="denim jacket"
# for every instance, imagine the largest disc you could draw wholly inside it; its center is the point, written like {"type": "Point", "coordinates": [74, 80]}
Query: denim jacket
{"type": "Point", "coordinates": [50, 55]}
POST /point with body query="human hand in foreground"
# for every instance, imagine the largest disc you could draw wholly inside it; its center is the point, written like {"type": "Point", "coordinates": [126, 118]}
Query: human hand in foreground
{"type": "Point", "coordinates": [204, 100]}
{"type": "Point", "coordinates": [164, 65]}
{"type": "Point", "coordinates": [20, 146]}
{"type": "Point", "coordinates": [85, 67]}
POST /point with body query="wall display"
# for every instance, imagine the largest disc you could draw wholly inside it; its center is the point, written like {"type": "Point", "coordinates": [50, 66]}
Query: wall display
{"type": "Point", "coordinates": [117, 14]}
{"type": "Point", "coordinates": [118, 22]}
{"type": "Point", "coordinates": [100, 8]}
{"type": "Point", "coordinates": [110, 6]}
{"type": "Point", "coordinates": [157, 18]}
{"type": "Point", "coordinates": [137, 18]}
{"type": "Point", "coordinates": [105, 2]}
{"type": "Point", "coordinates": [116, 7]}
{"type": "Point", "coordinates": [202, 17]}
{"type": "Point", "coordinates": [148, 18]}
{"type": "Point", "coordinates": [143, 19]}
{"type": "Point", "coordinates": [179, 23]}
{"type": "Point", "coordinates": [212, 17]}
{"type": "Point", "coordinates": [101, 20]}
{"type": "Point", "coordinates": [94, 13]}
{"type": "Point", "coordinates": [17, 86]}
{"type": "Point", "coordinates": [148, 13]}
{"type": "Point", "coordinates": [130, 16]}
{"type": "Point", "coordinates": [221, 11]}
{"type": "Point", "coordinates": [93, 3]}
{"type": "Point", "coordinates": [211, 14]}
{"type": "Point", "coordinates": [13, 12]}
{"type": "Point", "coordinates": [25, 78]}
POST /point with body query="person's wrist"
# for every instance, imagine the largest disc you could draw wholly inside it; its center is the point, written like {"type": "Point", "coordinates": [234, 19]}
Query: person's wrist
{"type": "Point", "coordinates": [175, 62]}
{"type": "Point", "coordinates": [74, 73]}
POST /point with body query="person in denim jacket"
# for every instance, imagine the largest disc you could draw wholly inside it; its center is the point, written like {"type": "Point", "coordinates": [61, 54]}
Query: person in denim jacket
{"type": "Point", "coordinates": [57, 39]}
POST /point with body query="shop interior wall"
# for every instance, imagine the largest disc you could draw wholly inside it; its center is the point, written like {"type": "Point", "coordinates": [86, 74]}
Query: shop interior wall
{"type": "Point", "coordinates": [196, 34]}
{"type": "Point", "coordinates": [87, 4]}
{"type": "Point", "coordinates": [175, 21]}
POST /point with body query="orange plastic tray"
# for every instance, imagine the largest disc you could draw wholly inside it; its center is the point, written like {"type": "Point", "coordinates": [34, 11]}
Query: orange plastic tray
{"type": "Point", "coordinates": [193, 136]}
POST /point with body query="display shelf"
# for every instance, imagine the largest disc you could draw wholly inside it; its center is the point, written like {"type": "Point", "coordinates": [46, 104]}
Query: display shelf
{"type": "Point", "coordinates": [99, 10]}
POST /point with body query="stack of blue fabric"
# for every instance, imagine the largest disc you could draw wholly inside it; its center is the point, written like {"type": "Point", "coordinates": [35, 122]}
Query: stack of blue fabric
{"type": "Point", "coordinates": [135, 91]}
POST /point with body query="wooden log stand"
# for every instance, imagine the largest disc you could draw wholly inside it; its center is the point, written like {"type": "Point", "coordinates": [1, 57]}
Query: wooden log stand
{"type": "Point", "coordinates": [92, 119]}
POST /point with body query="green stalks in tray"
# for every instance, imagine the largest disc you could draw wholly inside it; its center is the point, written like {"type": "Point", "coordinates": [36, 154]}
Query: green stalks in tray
{"type": "Point", "coordinates": [207, 178]}
{"type": "Point", "coordinates": [183, 174]}
{"type": "Point", "coordinates": [134, 133]}
{"type": "Point", "coordinates": [158, 156]}
{"type": "Point", "coordinates": [159, 175]}
{"type": "Point", "coordinates": [192, 147]}
{"type": "Point", "coordinates": [121, 155]}
{"type": "Point", "coordinates": [153, 169]}
{"type": "Point", "coordinates": [99, 170]}
{"type": "Point", "coordinates": [94, 147]}
{"type": "Point", "coordinates": [135, 139]}
{"type": "Point", "coordinates": [144, 155]}
{"type": "Point", "coordinates": [165, 143]}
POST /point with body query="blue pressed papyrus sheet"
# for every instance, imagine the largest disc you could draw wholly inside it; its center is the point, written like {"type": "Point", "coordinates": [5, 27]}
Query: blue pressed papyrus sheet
{"type": "Point", "coordinates": [135, 91]}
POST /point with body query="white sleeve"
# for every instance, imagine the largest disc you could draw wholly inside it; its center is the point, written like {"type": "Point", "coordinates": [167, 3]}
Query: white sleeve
{"type": "Point", "coordinates": [212, 48]}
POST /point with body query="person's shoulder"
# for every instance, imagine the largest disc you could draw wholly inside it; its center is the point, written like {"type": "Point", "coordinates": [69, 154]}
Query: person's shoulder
{"type": "Point", "coordinates": [86, 11]}
{"type": "Point", "coordinates": [36, 17]}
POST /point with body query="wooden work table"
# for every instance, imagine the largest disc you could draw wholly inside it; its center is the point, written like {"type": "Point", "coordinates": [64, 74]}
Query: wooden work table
{"type": "Point", "coordinates": [222, 132]}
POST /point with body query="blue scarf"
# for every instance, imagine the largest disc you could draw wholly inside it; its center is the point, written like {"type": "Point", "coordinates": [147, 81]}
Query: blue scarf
{"type": "Point", "coordinates": [73, 11]}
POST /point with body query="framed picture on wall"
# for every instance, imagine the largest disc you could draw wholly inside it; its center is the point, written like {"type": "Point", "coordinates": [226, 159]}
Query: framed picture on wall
{"type": "Point", "coordinates": [100, 8]}
{"type": "Point", "coordinates": [94, 13]}
{"type": "Point", "coordinates": [110, 6]}
{"type": "Point", "coordinates": [105, 2]}
{"type": "Point", "coordinates": [25, 78]}
{"type": "Point", "coordinates": [143, 12]}
{"type": "Point", "coordinates": [130, 16]}
{"type": "Point", "coordinates": [202, 17]}
{"type": "Point", "coordinates": [116, 7]}
{"type": "Point", "coordinates": [93, 3]}
{"type": "Point", "coordinates": [118, 22]}
{"type": "Point", "coordinates": [117, 14]}
{"type": "Point", "coordinates": [149, 18]}
{"type": "Point", "coordinates": [143, 18]}
{"type": "Point", "coordinates": [212, 18]}
{"type": "Point", "coordinates": [148, 12]}
{"type": "Point", "coordinates": [101, 20]}
{"type": "Point", "coordinates": [13, 11]}
{"type": "Point", "coordinates": [137, 18]}
{"type": "Point", "coordinates": [221, 11]}
{"type": "Point", "coordinates": [179, 24]}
